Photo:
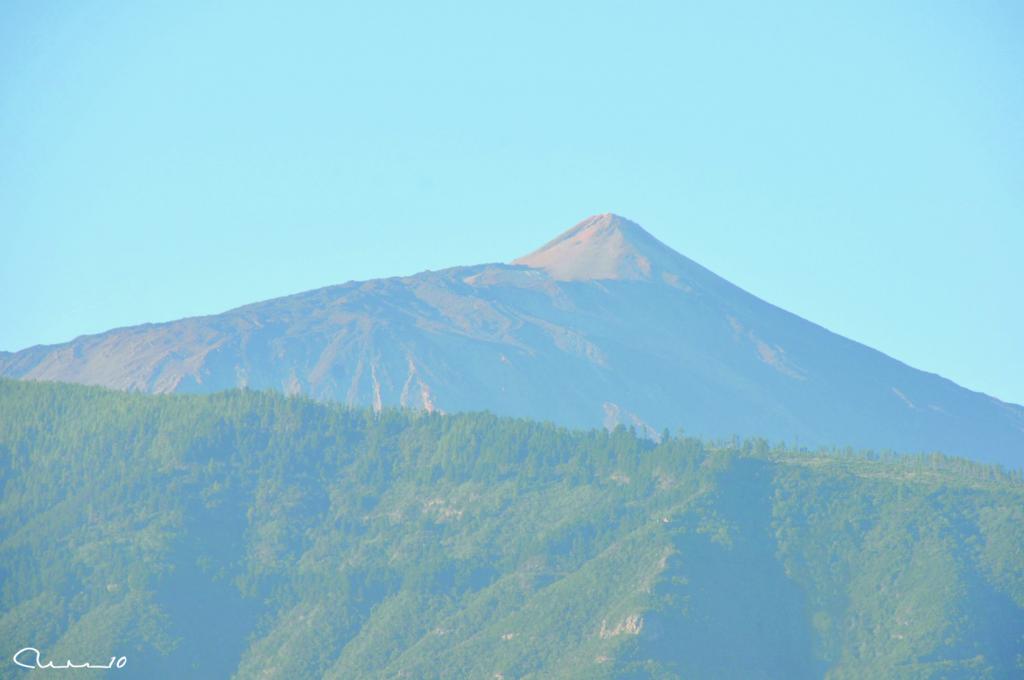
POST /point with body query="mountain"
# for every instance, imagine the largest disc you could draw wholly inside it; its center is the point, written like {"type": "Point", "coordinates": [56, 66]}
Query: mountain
{"type": "Point", "coordinates": [604, 325]}
{"type": "Point", "coordinates": [251, 535]}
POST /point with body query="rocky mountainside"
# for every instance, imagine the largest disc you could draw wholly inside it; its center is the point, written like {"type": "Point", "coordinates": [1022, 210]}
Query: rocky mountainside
{"type": "Point", "coordinates": [603, 325]}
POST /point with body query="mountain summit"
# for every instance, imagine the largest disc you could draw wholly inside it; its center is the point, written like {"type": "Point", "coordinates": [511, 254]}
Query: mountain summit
{"type": "Point", "coordinates": [605, 325]}
{"type": "Point", "coordinates": [606, 247]}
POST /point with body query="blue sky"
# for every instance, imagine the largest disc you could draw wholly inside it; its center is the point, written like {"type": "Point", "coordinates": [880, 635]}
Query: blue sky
{"type": "Point", "coordinates": [859, 165]}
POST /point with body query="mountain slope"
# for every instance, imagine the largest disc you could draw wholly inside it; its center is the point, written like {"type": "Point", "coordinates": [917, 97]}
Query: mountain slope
{"type": "Point", "coordinates": [251, 535]}
{"type": "Point", "coordinates": [604, 325]}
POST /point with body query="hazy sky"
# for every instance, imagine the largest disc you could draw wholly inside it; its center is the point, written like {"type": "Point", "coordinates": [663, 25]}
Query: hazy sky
{"type": "Point", "coordinates": [860, 166]}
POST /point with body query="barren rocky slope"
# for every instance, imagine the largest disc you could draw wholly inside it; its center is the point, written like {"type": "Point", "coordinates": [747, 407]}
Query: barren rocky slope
{"type": "Point", "coordinates": [604, 325]}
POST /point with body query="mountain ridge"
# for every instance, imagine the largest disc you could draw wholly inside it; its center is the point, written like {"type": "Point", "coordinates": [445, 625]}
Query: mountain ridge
{"type": "Point", "coordinates": [603, 325]}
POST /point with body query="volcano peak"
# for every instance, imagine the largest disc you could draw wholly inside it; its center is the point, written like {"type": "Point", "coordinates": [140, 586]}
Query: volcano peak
{"type": "Point", "coordinates": [604, 246]}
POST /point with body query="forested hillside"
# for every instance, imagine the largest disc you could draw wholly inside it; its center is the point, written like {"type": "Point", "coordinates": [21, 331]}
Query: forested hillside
{"type": "Point", "coordinates": [255, 535]}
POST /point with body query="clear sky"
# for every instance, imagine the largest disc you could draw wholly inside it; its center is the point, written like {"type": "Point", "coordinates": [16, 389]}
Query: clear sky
{"type": "Point", "coordinates": [859, 165]}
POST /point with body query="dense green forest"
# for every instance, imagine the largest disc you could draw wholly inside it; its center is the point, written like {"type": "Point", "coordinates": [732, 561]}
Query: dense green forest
{"type": "Point", "coordinates": [252, 535]}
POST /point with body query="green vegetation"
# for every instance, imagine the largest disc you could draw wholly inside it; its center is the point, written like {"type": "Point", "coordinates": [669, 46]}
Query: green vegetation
{"type": "Point", "coordinates": [255, 535]}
